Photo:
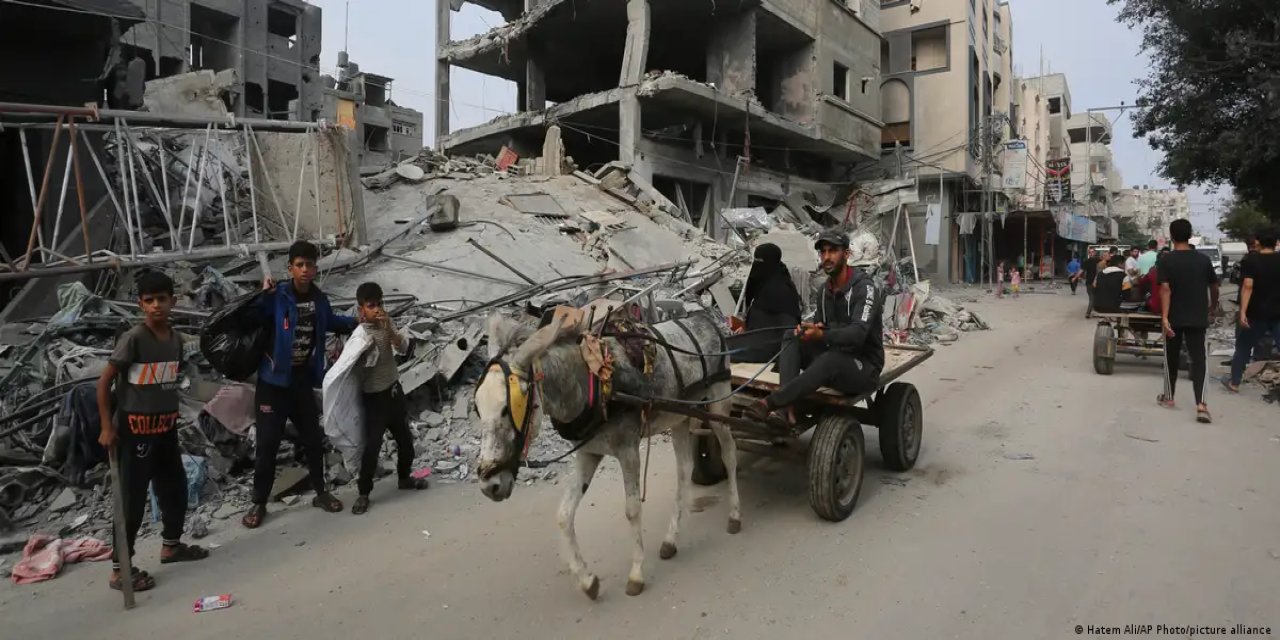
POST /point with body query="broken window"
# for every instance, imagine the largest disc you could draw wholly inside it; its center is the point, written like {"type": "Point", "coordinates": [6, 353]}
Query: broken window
{"type": "Point", "coordinates": [403, 128]}
{"type": "Point", "coordinates": [929, 49]}
{"type": "Point", "coordinates": [170, 66]}
{"type": "Point", "coordinates": [254, 99]}
{"type": "Point", "coordinates": [895, 111]}
{"type": "Point", "coordinates": [840, 81]}
{"type": "Point", "coordinates": [376, 138]}
{"type": "Point", "coordinates": [1055, 105]}
{"type": "Point", "coordinates": [279, 95]}
{"type": "Point", "coordinates": [282, 22]}
{"type": "Point", "coordinates": [375, 91]}
{"type": "Point", "coordinates": [212, 36]}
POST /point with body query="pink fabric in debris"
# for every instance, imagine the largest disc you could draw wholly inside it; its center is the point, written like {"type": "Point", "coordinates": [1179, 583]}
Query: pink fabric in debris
{"type": "Point", "coordinates": [233, 407]}
{"type": "Point", "coordinates": [44, 556]}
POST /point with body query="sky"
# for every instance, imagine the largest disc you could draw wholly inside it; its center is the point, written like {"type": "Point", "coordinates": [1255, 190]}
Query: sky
{"type": "Point", "coordinates": [1080, 38]}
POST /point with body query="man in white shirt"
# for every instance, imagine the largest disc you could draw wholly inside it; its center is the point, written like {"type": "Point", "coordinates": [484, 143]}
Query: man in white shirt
{"type": "Point", "coordinates": [1131, 269]}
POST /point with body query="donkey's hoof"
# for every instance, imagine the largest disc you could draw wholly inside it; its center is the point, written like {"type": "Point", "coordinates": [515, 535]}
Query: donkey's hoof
{"type": "Point", "coordinates": [668, 551]}
{"type": "Point", "coordinates": [634, 588]}
{"type": "Point", "coordinates": [735, 525]}
{"type": "Point", "coordinates": [593, 591]}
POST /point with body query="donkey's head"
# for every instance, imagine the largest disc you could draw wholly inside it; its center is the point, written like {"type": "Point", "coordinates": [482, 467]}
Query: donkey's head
{"type": "Point", "coordinates": [505, 402]}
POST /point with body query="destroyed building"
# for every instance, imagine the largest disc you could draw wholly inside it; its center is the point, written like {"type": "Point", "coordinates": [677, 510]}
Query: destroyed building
{"type": "Point", "coordinates": [361, 101]}
{"type": "Point", "coordinates": [273, 46]}
{"type": "Point", "coordinates": [743, 104]}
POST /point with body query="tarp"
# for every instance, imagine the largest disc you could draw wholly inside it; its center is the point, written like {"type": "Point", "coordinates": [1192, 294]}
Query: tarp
{"type": "Point", "coordinates": [343, 413]}
{"type": "Point", "coordinates": [1078, 228]}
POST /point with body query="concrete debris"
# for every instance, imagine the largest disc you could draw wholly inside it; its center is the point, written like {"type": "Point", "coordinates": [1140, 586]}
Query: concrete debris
{"type": "Point", "coordinates": [449, 239]}
{"type": "Point", "coordinates": [197, 94]}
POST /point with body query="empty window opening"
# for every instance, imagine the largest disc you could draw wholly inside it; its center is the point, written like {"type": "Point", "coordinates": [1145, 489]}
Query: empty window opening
{"type": "Point", "coordinates": [691, 195]}
{"type": "Point", "coordinates": [170, 66]}
{"type": "Point", "coordinates": [376, 138]}
{"type": "Point", "coordinates": [376, 89]}
{"type": "Point", "coordinates": [213, 39]}
{"type": "Point", "coordinates": [895, 111]}
{"type": "Point", "coordinates": [929, 49]}
{"type": "Point", "coordinates": [1055, 105]}
{"type": "Point", "coordinates": [282, 22]}
{"type": "Point", "coordinates": [840, 82]}
{"type": "Point", "coordinates": [254, 100]}
{"type": "Point", "coordinates": [279, 95]}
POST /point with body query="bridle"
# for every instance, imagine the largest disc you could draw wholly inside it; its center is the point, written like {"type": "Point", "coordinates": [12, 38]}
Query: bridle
{"type": "Point", "coordinates": [521, 405]}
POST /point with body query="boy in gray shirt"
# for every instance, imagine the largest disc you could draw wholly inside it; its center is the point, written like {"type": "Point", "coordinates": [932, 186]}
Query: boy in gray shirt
{"type": "Point", "coordinates": [144, 367]}
{"type": "Point", "coordinates": [382, 397]}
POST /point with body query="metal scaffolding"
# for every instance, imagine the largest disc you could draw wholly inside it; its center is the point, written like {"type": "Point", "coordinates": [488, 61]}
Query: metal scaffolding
{"type": "Point", "coordinates": [148, 174]}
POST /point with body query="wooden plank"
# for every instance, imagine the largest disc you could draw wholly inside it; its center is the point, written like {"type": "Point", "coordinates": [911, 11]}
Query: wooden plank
{"type": "Point", "coordinates": [898, 360]}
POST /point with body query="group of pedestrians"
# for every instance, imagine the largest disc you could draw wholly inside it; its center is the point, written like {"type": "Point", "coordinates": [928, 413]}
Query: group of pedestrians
{"type": "Point", "coordinates": [138, 400]}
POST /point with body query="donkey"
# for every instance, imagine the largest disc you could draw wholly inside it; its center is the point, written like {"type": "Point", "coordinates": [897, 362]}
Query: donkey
{"type": "Point", "coordinates": [509, 415]}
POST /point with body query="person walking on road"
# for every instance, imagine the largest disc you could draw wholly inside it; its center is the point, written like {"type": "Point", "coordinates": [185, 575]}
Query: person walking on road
{"type": "Point", "coordinates": [1090, 271]}
{"type": "Point", "coordinates": [1189, 296]}
{"type": "Point", "coordinates": [1259, 304]}
{"type": "Point", "coordinates": [1073, 273]}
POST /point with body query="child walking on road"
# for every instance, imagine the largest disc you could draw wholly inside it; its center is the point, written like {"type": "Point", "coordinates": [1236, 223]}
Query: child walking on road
{"type": "Point", "coordinates": [383, 399]}
{"type": "Point", "coordinates": [1015, 281]}
{"type": "Point", "coordinates": [144, 367]}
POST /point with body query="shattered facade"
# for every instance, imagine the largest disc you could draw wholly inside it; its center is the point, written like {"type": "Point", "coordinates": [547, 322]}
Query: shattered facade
{"type": "Point", "coordinates": [387, 132]}
{"type": "Point", "coordinates": [743, 104]}
{"type": "Point", "coordinates": [273, 46]}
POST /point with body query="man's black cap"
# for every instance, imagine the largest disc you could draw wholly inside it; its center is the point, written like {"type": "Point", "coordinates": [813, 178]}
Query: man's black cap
{"type": "Point", "coordinates": [832, 237]}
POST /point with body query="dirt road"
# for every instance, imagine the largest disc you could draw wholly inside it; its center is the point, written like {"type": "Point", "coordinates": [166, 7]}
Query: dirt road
{"type": "Point", "coordinates": [1046, 497]}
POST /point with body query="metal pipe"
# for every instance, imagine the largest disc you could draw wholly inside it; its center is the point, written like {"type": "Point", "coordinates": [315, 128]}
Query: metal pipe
{"type": "Point", "coordinates": [151, 183]}
{"type": "Point", "coordinates": [271, 187]}
{"type": "Point", "coordinates": [315, 178]}
{"type": "Point", "coordinates": [127, 141]}
{"type": "Point", "coordinates": [102, 173]}
{"type": "Point", "coordinates": [186, 190]}
{"type": "Point", "coordinates": [31, 183]}
{"type": "Point", "coordinates": [84, 214]}
{"type": "Point", "coordinates": [461, 272]}
{"type": "Point", "coordinates": [168, 203]}
{"type": "Point", "coordinates": [124, 192]}
{"type": "Point", "coordinates": [199, 205]}
{"type": "Point", "coordinates": [175, 121]}
{"type": "Point", "coordinates": [62, 196]}
{"type": "Point", "coordinates": [253, 193]}
{"type": "Point", "coordinates": [499, 260]}
{"type": "Point", "coordinates": [302, 173]}
{"type": "Point", "coordinates": [222, 193]}
{"type": "Point", "coordinates": [44, 191]}
{"type": "Point", "coordinates": [141, 261]}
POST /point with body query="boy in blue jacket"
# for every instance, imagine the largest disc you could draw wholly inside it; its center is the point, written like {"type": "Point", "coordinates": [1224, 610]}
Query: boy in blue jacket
{"type": "Point", "coordinates": [289, 374]}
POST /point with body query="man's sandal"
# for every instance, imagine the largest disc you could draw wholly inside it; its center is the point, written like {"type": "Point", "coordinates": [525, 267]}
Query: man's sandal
{"type": "Point", "coordinates": [142, 581]}
{"type": "Point", "coordinates": [327, 501]}
{"type": "Point", "coordinates": [254, 516]}
{"type": "Point", "coordinates": [360, 506]}
{"type": "Point", "coordinates": [413, 484]}
{"type": "Point", "coordinates": [1203, 417]}
{"type": "Point", "coordinates": [183, 553]}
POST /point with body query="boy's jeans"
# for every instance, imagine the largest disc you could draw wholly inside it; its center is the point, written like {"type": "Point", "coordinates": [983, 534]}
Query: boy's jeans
{"type": "Point", "coordinates": [1246, 340]}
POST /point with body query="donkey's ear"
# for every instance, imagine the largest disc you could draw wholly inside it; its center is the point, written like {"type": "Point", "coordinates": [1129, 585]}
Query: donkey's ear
{"type": "Point", "coordinates": [498, 333]}
{"type": "Point", "coordinates": [537, 344]}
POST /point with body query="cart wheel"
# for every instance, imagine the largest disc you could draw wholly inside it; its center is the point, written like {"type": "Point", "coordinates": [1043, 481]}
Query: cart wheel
{"type": "Point", "coordinates": [1104, 350]}
{"type": "Point", "coordinates": [708, 466]}
{"type": "Point", "coordinates": [835, 466]}
{"type": "Point", "coordinates": [901, 426]}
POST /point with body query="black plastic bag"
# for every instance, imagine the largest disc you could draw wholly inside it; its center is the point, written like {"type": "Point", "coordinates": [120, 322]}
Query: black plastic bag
{"type": "Point", "coordinates": [235, 338]}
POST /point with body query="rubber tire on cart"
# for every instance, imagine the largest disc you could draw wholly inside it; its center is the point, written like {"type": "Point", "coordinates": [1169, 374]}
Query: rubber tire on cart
{"type": "Point", "coordinates": [836, 463]}
{"type": "Point", "coordinates": [708, 465]}
{"type": "Point", "coordinates": [1104, 350]}
{"type": "Point", "coordinates": [901, 420]}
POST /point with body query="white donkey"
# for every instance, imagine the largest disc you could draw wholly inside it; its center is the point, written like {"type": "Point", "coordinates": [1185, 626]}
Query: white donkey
{"type": "Point", "coordinates": [508, 402]}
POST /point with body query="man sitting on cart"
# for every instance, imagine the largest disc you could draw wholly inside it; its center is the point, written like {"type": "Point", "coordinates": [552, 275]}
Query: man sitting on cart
{"type": "Point", "coordinates": [843, 349]}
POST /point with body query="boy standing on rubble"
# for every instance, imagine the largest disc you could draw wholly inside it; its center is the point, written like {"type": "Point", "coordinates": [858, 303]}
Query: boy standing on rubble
{"type": "Point", "coordinates": [144, 367]}
{"type": "Point", "coordinates": [291, 370]}
{"type": "Point", "coordinates": [382, 398]}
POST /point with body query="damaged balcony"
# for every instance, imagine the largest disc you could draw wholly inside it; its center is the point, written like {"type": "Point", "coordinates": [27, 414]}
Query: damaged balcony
{"type": "Point", "coordinates": [665, 99]}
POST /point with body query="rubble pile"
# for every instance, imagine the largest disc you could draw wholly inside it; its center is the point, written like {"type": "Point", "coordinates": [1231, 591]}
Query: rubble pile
{"type": "Point", "coordinates": [450, 240]}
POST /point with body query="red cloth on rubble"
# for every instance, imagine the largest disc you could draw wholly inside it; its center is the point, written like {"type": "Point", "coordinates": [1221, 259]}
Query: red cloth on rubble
{"type": "Point", "coordinates": [44, 556]}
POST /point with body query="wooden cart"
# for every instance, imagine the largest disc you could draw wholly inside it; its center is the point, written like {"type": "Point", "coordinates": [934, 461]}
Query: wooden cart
{"type": "Point", "coordinates": [1138, 334]}
{"type": "Point", "coordinates": [836, 451]}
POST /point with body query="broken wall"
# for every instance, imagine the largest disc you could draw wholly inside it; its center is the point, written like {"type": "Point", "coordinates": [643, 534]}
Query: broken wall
{"type": "Point", "coordinates": [289, 167]}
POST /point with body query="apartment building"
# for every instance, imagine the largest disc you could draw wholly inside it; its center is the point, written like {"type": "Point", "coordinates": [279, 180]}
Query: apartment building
{"type": "Point", "coordinates": [1095, 179]}
{"type": "Point", "coordinates": [948, 93]}
{"type": "Point", "coordinates": [386, 131]}
{"type": "Point", "coordinates": [719, 103]}
{"type": "Point", "coordinates": [273, 46]}
{"type": "Point", "coordinates": [1152, 209]}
